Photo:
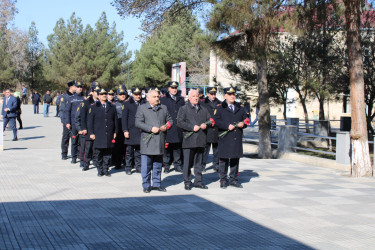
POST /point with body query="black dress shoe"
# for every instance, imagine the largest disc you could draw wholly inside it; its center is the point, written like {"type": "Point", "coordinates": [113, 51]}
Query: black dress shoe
{"type": "Point", "coordinates": [236, 184]}
{"type": "Point", "coordinates": [15, 139]}
{"type": "Point", "coordinates": [223, 185]}
{"type": "Point", "coordinates": [201, 186]}
{"type": "Point", "coordinates": [20, 128]}
{"type": "Point", "coordinates": [117, 167]}
{"type": "Point", "coordinates": [161, 189]}
{"type": "Point", "coordinates": [108, 174]}
{"type": "Point", "coordinates": [64, 157]}
{"type": "Point", "coordinates": [138, 171]}
{"type": "Point", "coordinates": [100, 174]}
{"type": "Point", "coordinates": [178, 170]}
{"type": "Point", "coordinates": [128, 172]}
{"type": "Point", "coordinates": [188, 187]}
{"type": "Point", "coordinates": [166, 170]}
{"type": "Point", "coordinates": [74, 161]}
{"type": "Point", "coordinates": [85, 168]}
{"type": "Point", "coordinates": [147, 190]}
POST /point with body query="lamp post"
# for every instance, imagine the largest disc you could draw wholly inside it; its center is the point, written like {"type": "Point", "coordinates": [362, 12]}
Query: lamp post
{"type": "Point", "coordinates": [127, 83]}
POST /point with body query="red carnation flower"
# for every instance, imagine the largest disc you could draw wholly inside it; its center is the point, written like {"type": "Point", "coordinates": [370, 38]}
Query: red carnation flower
{"type": "Point", "coordinates": [113, 141]}
{"type": "Point", "coordinates": [169, 125]}
{"type": "Point", "coordinates": [73, 136]}
{"type": "Point", "coordinates": [166, 145]}
{"type": "Point", "coordinates": [246, 121]}
{"type": "Point", "coordinates": [212, 122]}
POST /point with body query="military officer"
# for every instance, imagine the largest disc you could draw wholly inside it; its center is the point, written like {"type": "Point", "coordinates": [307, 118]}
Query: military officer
{"type": "Point", "coordinates": [102, 127]}
{"type": "Point", "coordinates": [70, 112]}
{"type": "Point", "coordinates": [119, 151]}
{"type": "Point", "coordinates": [131, 133]}
{"type": "Point", "coordinates": [211, 103]}
{"type": "Point", "coordinates": [174, 136]}
{"type": "Point", "coordinates": [66, 131]}
{"type": "Point", "coordinates": [192, 118]}
{"type": "Point", "coordinates": [111, 96]}
{"type": "Point", "coordinates": [86, 150]}
{"type": "Point", "coordinates": [230, 117]}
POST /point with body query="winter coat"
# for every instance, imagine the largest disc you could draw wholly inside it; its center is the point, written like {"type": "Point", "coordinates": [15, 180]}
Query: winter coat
{"type": "Point", "coordinates": [174, 135]}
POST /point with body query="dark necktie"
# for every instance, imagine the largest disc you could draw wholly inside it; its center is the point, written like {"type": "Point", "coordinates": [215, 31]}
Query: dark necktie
{"type": "Point", "coordinates": [231, 108]}
{"type": "Point", "coordinates": [104, 106]}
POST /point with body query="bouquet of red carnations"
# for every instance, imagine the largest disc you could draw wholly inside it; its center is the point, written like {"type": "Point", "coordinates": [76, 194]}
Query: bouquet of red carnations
{"type": "Point", "coordinates": [246, 121]}
{"type": "Point", "coordinates": [148, 138]}
{"type": "Point", "coordinates": [209, 122]}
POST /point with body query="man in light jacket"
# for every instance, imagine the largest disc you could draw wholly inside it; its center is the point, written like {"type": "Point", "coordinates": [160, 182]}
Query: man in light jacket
{"type": "Point", "coordinates": [8, 112]}
{"type": "Point", "coordinates": [152, 118]}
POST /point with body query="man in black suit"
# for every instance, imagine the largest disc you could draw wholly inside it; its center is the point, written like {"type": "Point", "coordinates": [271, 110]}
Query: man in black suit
{"type": "Point", "coordinates": [173, 152]}
{"type": "Point", "coordinates": [132, 134]}
{"type": "Point", "coordinates": [102, 127]}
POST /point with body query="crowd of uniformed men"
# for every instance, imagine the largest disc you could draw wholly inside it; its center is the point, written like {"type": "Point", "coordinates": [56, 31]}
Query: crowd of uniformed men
{"type": "Point", "coordinates": [147, 132]}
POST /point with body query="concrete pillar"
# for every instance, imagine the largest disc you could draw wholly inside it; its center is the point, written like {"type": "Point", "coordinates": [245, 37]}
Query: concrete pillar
{"type": "Point", "coordinates": [293, 121]}
{"type": "Point", "coordinates": [287, 139]}
{"type": "Point", "coordinates": [321, 128]}
{"type": "Point", "coordinates": [343, 148]}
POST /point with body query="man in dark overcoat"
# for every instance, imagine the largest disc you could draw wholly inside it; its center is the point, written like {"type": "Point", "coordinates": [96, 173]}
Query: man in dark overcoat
{"type": "Point", "coordinates": [102, 127]}
{"type": "Point", "coordinates": [131, 133]}
{"type": "Point", "coordinates": [152, 118]}
{"type": "Point", "coordinates": [211, 103]}
{"type": "Point", "coordinates": [70, 112]}
{"type": "Point", "coordinates": [192, 118]}
{"type": "Point", "coordinates": [8, 112]}
{"type": "Point", "coordinates": [86, 143]}
{"type": "Point", "coordinates": [66, 132]}
{"type": "Point", "coordinates": [230, 116]}
{"type": "Point", "coordinates": [173, 152]}
{"type": "Point", "coordinates": [118, 154]}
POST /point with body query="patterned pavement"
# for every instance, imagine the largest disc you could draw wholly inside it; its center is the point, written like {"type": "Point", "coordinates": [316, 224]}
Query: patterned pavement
{"type": "Point", "coordinates": [47, 203]}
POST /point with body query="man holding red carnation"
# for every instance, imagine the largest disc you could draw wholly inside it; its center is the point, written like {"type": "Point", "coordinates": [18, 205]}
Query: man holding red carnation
{"type": "Point", "coordinates": [230, 119]}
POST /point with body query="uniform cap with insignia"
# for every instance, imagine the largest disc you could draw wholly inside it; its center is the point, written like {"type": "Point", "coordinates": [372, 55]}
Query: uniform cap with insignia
{"type": "Point", "coordinates": [136, 90]}
{"type": "Point", "coordinates": [200, 90]}
{"type": "Point", "coordinates": [211, 90]}
{"type": "Point", "coordinates": [78, 84]}
{"type": "Point", "coordinates": [103, 92]}
{"type": "Point", "coordinates": [173, 84]}
{"type": "Point", "coordinates": [110, 92]}
{"type": "Point", "coordinates": [230, 90]}
{"type": "Point", "coordinates": [121, 90]}
{"type": "Point", "coordinates": [95, 84]}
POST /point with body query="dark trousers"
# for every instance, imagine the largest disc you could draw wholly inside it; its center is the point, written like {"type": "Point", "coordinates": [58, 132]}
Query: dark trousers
{"type": "Point", "coordinates": [12, 124]}
{"type": "Point", "coordinates": [57, 110]}
{"type": "Point", "coordinates": [173, 154]}
{"type": "Point", "coordinates": [133, 158]}
{"type": "Point", "coordinates": [24, 99]}
{"type": "Point", "coordinates": [19, 120]}
{"type": "Point", "coordinates": [103, 160]}
{"type": "Point", "coordinates": [81, 149]}
{"type": "Point", "coordinates": [118, 154]}
{"type": "Point", "coordinates": [74, 142]}
{"type": "Point", "coordinates": [193, 157]}
{"type": "Point", "coordinates": [88, 153]}
{"type": "Point", "coordinates": [154, 163]}
{"type": "Point", "coordinates": [36, 108]}
{"type": "Point", "coordinates": [215, 160]}
{"type": "Point", "coordinates": [65, 141]}
{"type": "Point", "coordinates": [233, 163]}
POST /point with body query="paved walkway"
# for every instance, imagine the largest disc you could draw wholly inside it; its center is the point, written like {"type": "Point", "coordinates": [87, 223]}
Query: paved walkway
{"type": "Point", "coordinates": [49, 203]}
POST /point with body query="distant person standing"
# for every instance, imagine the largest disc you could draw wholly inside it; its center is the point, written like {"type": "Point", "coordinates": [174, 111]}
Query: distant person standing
{"type": "Point", "coordinates": [18, 110]}
{"type": "Point", "coordinates": [66, 131]}
{"type": "Point", "coordinates": [24, 95]}
{"type": "Point", "coordinates": [47, 99]}
{"type": "Point", "coordinates": [8, 112]}
{"type": "Point", "coordinates": [36, 100]}
{"type": "Point", "coordinates": [57, 102]}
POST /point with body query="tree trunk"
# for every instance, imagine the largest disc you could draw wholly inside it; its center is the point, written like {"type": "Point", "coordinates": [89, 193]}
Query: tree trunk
{"type": "Point", "coordinates": [264, 151]}
{"type": "Point", "coordinates": [321, 109]}
{"type": "Point", "coordinates": [361, 164]}
{"type": "Point", "coordinates": [304, 107]}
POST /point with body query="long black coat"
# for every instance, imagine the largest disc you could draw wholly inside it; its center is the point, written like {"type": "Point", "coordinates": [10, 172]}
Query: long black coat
{"type": "Point", "coordinates": [230, 146]}
{"type": "Point", "coordinates": [71, 108]}
{"type": "Point", "coordinates": [174, 135]}
{"type": "Point", "coordinates": [212, 132]}
{"type": "Point", "coordinates": [82, 115]}
{"type": "Point", "coordinates": [187, 118]}
{"type": "Point", "coordinates": [103, 124]}
{"type": "Point", "coordinates": [128, 122]}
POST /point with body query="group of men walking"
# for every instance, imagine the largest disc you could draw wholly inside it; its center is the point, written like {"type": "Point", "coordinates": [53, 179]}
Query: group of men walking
{"type": "Point", "coordinates": [147, 133]}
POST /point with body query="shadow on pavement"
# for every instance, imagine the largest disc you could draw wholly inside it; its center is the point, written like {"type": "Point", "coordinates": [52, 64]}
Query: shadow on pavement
{"type": "Point", "coordinates": [14, 149]}
{"type": "Point", "coordinates": [175, 222]}
{"type": "Point", "coordinates": [31, 138]}
{"type": "Point", "coordinates": [31, 127]}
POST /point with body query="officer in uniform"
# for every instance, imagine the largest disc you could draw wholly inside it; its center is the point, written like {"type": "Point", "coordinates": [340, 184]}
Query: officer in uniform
{"type": "Point", "coordinates": [174, 135]}
{"type": "Point", "coordinates": [86, 143]}
{"type": "Point", "coordinates": [132, 134]}
{"type": "Point", "coordinates": [111, 96]}
{"type": "Point", "coordinates": [119, 150]}
{"type": "Point", "coordinates": [230, 116]}
{"type": "Point", "coordinates": [192, 118]}
{"type": "Point", "coordinates": [102, 127]}
{"type": "Point", "coordinates": [211, 103]}
{"type": "Point", "coordinates": [66, 131]}
{"type": "Point", "coordinates": [70, 112]}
